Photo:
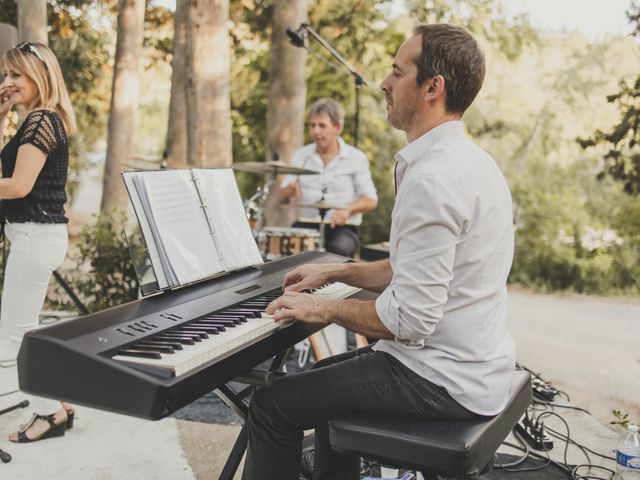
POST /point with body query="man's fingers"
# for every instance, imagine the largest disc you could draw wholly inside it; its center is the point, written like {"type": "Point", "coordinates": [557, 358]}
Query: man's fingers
{"type": "Point", "coordinates": [283, 314]}
{"type": "Point", "coordinates": [282, 302]}
{"type": "Point", "coordinates": [274, 306]}
{"type": "Point", "coordinates": [296, 287]}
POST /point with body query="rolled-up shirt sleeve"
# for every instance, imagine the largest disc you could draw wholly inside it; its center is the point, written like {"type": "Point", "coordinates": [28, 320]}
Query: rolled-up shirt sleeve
{"type": "Point", "coordinates": [429, 220]}
{"type": "Point", "coordinates": [363, 182]}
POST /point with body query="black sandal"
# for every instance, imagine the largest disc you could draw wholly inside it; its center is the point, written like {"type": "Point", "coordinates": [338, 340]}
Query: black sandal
{"type": "Point", "coordinates": [55, 430]}
{"type": "Point", "coordinates": [71, 415]}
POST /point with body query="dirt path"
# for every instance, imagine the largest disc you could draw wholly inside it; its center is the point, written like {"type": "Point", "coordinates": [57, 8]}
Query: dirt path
{"type": "Point", "coordinates": [586, 346]}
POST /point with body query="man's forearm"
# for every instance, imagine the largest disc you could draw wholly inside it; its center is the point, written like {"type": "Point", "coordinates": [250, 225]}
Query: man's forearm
{"type": "Point", "coordinates": [362, 204]}
{"type": "Point", "coordinates": [359, 316]}
{"type": "Point", "coordinates": [374, 276]}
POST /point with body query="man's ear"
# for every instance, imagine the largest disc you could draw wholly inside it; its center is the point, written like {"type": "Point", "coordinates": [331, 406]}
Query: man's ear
{"type": "Point", "coordinates": [434, 88]}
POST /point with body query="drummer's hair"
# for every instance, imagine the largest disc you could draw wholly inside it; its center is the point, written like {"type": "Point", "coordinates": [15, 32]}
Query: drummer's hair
{"type": "Point", "coordinates": [333, 109]}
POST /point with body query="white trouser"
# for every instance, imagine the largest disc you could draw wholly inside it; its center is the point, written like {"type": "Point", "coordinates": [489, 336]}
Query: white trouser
{"type": "Point", "coordinates": [35, 251]}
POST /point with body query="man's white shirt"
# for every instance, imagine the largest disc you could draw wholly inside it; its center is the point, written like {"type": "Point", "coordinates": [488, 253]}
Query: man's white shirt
{"type": "Point", "coordinates": [346, 178]}
{"type": "Point", "coordinates": [451, 248]}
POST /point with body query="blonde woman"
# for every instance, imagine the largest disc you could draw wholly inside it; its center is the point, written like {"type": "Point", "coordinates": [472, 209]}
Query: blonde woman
{"type": "Point", "coordinates": [32, 190]}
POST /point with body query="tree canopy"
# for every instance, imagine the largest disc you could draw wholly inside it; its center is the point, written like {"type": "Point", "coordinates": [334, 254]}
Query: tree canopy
{"type": "Point", "coordinates": [542, 92]}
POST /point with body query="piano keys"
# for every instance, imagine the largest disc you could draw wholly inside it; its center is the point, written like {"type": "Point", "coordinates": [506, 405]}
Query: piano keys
{"type": "Point", "coordinates": [150, 357]}
{"type": "Point", "coordinates": [189, 345]}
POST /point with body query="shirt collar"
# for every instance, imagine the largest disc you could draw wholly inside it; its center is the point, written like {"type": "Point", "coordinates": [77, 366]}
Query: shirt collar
{"type": "Point", "coordinates": [417, 148]}
{"type": "Point", "coordinates": [342, 150]}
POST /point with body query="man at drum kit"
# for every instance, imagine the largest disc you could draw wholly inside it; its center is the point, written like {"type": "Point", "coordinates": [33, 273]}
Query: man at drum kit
{"type": "Point", "coordinates": [341, 192]}
{"type": "Point", "coordinates": [444, 351]}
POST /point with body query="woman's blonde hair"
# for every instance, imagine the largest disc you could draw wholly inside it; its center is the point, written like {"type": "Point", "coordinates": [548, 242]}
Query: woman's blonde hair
{"type": "Point", "coordinates": [39, 63]}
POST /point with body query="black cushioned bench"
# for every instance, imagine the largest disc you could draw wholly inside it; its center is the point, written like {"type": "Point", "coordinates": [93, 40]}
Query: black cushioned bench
{"type": "Point", "coordinates": [462, 449]}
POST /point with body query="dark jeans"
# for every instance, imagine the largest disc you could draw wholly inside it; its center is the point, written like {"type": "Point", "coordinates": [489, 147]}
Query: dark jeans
{"type": "Point", "coordinates": [342, 240]}
{"type": "Point", "coordinates": [360, 381]}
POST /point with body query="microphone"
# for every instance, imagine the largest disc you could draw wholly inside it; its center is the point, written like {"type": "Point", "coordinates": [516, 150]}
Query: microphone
{"type": "Point", "coordinates": [295, 38]}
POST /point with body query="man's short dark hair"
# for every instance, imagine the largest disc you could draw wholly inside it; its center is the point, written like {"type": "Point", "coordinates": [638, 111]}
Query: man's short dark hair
{"type": "Point", "coordinates": [451, 51]}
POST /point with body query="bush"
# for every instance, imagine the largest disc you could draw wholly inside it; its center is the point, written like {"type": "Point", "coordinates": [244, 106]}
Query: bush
{"type": "Point", "coordinates": [105, 276]}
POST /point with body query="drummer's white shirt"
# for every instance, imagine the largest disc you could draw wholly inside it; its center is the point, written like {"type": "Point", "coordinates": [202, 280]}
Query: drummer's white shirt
{"type": "Point", "coordinates": [451, 247]}
{"type": "Point", "coordinates": [346, 178]}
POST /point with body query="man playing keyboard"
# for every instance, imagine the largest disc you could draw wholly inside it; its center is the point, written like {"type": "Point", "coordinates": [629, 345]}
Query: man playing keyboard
{"type": "Point", "coordinates": [444, 352]}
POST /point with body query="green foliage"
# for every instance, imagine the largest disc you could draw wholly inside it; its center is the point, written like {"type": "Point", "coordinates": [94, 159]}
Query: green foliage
{"type": "Point", "coordinates": [158, 32]}
{"type": "Point", "coordinates": [82, 40]}
{"type": "Point", "coordinates": [621, 419]}
{"type": "Point", "coordinates": [9, 12]}
{"type": "Point", "coordinates": [485, 18]}
{"type": "Point", "coordinates": [622, 159]}
{"type": "Point", "coordinates": [105, 276]}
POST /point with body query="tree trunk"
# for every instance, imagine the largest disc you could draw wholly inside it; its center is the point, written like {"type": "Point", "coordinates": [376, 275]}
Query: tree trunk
{"type": "Point", "coordinates": [32, 21]}
{"type": "Point", "coordinates": [287, 91]}
{"type": "Point", "coordinates": [124, 102]}
{"type": "Point", "coordinates": [177, 126]}
{"type": "Point", "coordinates": [8, 37]}
{"type": "Point", "coordinates": [208, 101]}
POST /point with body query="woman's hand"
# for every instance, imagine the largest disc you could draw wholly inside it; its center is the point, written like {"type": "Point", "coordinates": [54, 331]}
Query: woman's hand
{"type": "Point", "coordinates": [5, 100]}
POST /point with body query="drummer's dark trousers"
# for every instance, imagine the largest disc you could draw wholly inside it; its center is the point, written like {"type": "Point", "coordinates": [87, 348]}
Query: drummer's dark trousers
{"type": "Point", "coordinates": [342, 240]}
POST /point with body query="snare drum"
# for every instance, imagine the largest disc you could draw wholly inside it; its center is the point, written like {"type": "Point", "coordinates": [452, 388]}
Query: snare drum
{"type": "Point", "coordinates": [279, 242]}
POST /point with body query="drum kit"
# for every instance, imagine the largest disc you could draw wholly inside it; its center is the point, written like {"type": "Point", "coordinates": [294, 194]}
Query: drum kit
{"type": "Point", "coordinates": [276, 242]}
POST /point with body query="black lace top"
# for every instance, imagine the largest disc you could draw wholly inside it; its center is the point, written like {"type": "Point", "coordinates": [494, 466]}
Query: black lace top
{"type": "Point", "coordinates": [45, 203]}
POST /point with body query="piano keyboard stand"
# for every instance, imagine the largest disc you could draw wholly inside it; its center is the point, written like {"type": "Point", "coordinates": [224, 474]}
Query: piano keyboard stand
{"type": "Point", "coordinates": [237, 401]}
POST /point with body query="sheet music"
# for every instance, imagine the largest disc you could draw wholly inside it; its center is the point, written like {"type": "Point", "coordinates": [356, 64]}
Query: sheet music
{"type": "Point", "coordinates": [224, 205]}
{"type": "Point", "coordinates": [181, 227]}
{"type": "Point", "coordinates": [193, 223]}
{"type": "Point", "coordinates": [136, 191]}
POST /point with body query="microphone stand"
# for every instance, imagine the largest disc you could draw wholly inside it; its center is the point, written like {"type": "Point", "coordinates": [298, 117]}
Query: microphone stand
{"type": "Point", "coordinates": [358, 80]}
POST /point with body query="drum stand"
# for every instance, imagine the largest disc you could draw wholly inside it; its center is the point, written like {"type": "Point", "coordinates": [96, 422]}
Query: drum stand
{"type": "Point", "coordinates": [323, 212]}
{"type": "Point", "coordinates": [258, 199]}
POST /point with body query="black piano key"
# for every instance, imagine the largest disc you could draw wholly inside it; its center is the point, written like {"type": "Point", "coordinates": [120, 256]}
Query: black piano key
{"type": "Point", "coordinates": [230, 321]}
{"type": "Point", "coordinates": [218, 326]}
{"type": "Point", "coordinates": [153, 348]}
{"type": "Point", "coordinates": [175, 338]}
{"type": "Point", "coordinates": [255, 304]}
{"type": "Point", "coordinates": [152, 342]}
{"type": "Point", "coordinates": [223, 313]}
{"type": "Point", "coordinates": [178, 333]}
{"type": "Point", "coordinates": [192, 331]}
{"type": "Point", "coordinates": [251, 313]}
{"type": "Point", "coordinates": [139, 353]}
{"type": "Point", "coordinates": [210, 329]}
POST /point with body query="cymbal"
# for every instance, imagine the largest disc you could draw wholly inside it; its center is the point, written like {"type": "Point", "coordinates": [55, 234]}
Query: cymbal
{"type": "Point", "coordinates": [323, 206]}
{"type": "Point", "coordinates": [146, 163]}
{"type": "Point", "coordinates": [275, 168]}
